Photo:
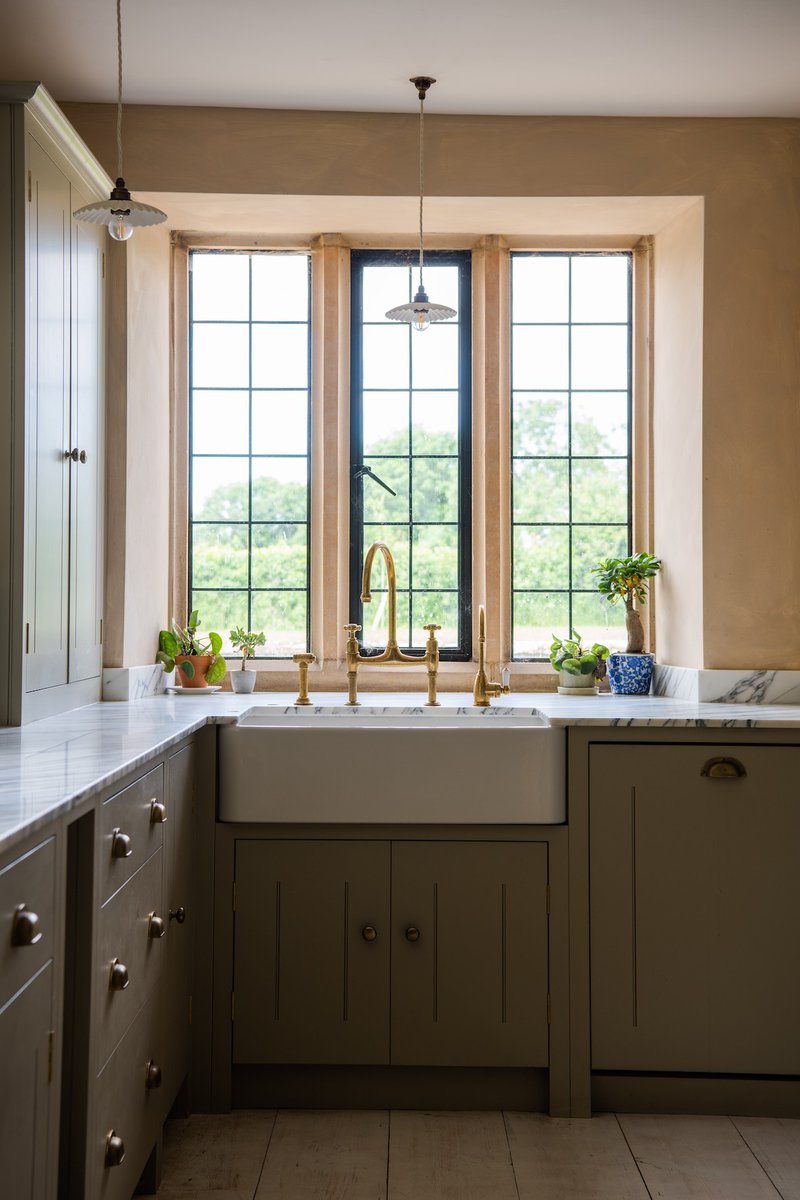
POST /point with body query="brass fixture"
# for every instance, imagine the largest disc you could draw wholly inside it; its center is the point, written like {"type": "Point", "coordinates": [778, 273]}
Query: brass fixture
{"type": "Point", "coordinates": [155, 927]}
{"type": "Point", "coordinates": [369, 933]}
{"type": "Point", "coordinates": [724, 768]}
{"type": "Point", "coordinates": [483, 690]}
{"type": "Point", "coordinates": [115, 1150]}
{"type": "Point", "coordinates": [303, 661]}
{"type": "Point", "coordinates": [25, 929]}
{"type": "Point", "coordinates": [412, 934]}
{"type": "Point", "coordinates": [118, 977]}
{"type": "Point", "coordinates": [120, 844]}
{"type": "Point", "coordinates": [392, 655]}
{"type": "Point", "coordinates": [152, 1075]}
{"type": "Point", "coordinates": [178, 914]}
{"type": "Point", "coordinates": [158, 812]}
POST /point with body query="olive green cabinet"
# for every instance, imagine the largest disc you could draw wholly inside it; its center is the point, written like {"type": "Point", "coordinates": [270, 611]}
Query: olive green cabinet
{"type": "Point", "coordinates": [450, 938]}
{"type": "Point", "coordinates": [695, 908]}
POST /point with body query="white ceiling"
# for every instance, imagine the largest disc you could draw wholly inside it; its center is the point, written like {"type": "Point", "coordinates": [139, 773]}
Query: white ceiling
{"type": "Point", "coordinates": [560, 57]}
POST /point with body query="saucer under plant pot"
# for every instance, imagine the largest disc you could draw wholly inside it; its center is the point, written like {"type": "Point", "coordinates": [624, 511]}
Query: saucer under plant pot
{"type": "Point", "coordinates": [628, 580]}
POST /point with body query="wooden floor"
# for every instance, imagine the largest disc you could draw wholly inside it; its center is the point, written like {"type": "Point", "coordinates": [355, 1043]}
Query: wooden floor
{"type": "Point", "coordinates": [299, 1155]}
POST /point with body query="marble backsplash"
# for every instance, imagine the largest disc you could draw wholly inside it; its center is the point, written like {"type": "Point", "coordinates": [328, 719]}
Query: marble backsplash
{"type": "Point", "coordinates": [134, 683]}
{"type": "Point", "coordinates": [726, 687]}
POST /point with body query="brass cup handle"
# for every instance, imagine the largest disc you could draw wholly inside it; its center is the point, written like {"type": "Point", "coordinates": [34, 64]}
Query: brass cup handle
{"type": "Point", "coordinates": [178, 914]}
{"type": "Point", "coordinates": [723, 768]}
{"type": "Point", "coordinates": [25, 929]}
{"type": "Point", "coordinates": [152, 1076]}
{"type": "Point", "coordinates": [118, 976]}
{"type": "Point", "coordinates": [158, 812]}
{"type": "Point", "coordinates": [121, 846]}
{"type": "Point", "coordinates": [369, 933]}
{"type": "Point", "coordinates": [115, 1150]}
{"type": "Point", "coordinates": [155, 927]}
{"type": "Point", "coordinates": [412, 934]}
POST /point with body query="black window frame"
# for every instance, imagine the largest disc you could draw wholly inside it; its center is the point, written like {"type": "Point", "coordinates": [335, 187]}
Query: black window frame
{"type": "Point", "coordinates": [463, 260]}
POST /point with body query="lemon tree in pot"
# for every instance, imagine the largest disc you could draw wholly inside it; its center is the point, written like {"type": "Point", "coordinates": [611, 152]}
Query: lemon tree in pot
{"type": "Point", "coordinates": [628, 580]}
{"type": "Point", "coordinates": [578, 668]}
{"type": "Point", "coordinates": [196, 657]}
{"type": "Point", "coordinates": [245, 644]}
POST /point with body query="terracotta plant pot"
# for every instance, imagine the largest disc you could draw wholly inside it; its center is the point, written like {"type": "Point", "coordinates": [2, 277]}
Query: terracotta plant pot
{"type": "Point", "coordinates": [200, 662]}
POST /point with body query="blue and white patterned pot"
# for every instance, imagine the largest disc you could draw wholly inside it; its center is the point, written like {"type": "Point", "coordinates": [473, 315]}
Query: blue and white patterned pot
{"type": "Point", "coordinates": [629, 674]}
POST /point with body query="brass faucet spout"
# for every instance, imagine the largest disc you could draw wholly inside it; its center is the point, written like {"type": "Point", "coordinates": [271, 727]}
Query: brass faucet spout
{"type": "Point", "coordinates": [483, 689]}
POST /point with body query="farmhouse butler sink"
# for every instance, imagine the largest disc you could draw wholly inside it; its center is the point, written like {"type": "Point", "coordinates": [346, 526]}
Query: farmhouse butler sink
{"type": "Point", "coordinates": [373, 765]}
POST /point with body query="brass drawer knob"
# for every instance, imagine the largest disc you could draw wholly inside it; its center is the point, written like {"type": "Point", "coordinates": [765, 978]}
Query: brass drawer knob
{"type": "Point", "coordinates": [412, 934]}
{"type": "Point", "coordinates": [369, 933]}
{"type": "Point", "coordinates": [155, 926]}
{"type": "Point", "coordinates": [152, 1076]}
{"type": "Point", "coordinates": [158, 812]}
{"type": "Point", "coordinates": [178, 914]}
{"type": "Point", "coordinates": [118, 976]}
{"type": "Point", "coordinates": [115, 1150]}
{"type": "Point", "coordinates": [723, 768]}
{"type": "Point", "coordinates": [120, 845]}
{"type": "Point", "coordinates": [25, 929]}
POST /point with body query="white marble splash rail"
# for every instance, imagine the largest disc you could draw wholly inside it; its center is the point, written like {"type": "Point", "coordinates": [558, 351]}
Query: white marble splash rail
{"type": "Point", "coordinates": [50, 767]}
{"type": "Point", "coordinates": [726, 687]}
{"type": "Point", "coordinates": [134, 683]}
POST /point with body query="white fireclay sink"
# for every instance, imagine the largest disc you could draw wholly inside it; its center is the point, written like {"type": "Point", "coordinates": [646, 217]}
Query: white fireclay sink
{"type": "Point", "coordinates": [371, 765]}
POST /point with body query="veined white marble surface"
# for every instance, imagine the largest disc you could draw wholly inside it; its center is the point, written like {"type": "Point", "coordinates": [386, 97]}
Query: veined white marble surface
{"type": "Point", "coordinates": [134, 683]}
{"type": "Point", "coordinates": [727, 687]}
{"type": "Point", "coordinates": [50, 767]}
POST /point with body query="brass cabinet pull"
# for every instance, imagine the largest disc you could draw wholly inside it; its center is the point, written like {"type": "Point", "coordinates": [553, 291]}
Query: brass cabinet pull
{"type": "Point", "coordinates": [115, 1150]}
{"type": "Point", "coordinates": [120, 844]}
{"type": "Point", "coordinates": [178, 914]}
{"type": "Point", "coordinates": [152, 1075]}
{"type": "Point", "coordinates": [158, 812]}
{"type": "Point", "coordinates": [155, 926]}
{"type": "Point", "coordinates": [25, 929]}
{"type": "Point", "coordinates": [412, 934]}
{"type": "Point", "coordinates": [118, 977]}
{"type": "Point", "coordinates": [724, 768]}
{"type": "Point", "coordinates": [369, 933]}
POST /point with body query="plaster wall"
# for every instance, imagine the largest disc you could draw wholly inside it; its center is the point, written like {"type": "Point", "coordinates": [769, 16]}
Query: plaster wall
{"type": "Point", "coordinates": [747, 513]}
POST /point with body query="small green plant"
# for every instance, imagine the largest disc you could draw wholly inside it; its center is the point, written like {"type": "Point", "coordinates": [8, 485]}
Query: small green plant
{"type": "Point", "coordinates": [568, 654]}
{"type": "Point", "coordinates": [177, 641]}
{"type": "Point", "coordinates": [245, 643]}
{"type": "Point", "coordinates": [628, 579]}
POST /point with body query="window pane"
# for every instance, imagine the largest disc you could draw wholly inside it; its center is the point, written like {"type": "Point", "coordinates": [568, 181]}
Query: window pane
{"type": "Point", "coordinates": [599, 356]}
{"type": "Point", "coordinates": [279, 557]}
{"type": "Point", "coordinates": [541, 289]}
{"type": "Point", "coordinates": [541, 357]}
{"type": "Point", "coordinates": [375, 620]}
{"type": "Point", "coordinates": [385, 417]}
{"type": "Point", "coordinates": [434, 608]}
{"type": "Point", "coordinates": [220, 287]}
{"type": "Point", "coordinates": [210, 434]}
{"type": "Point", "coordinates": [600, 423]}
{"type": "Point", "coordinates": [435, 557]}
{"type": "Point", "coordinates": [379, 505]}
{"type": "Point", "coordinates": [282, 616]}
{"type": "Point", "coordinates": [385, 288]}
{"type": "Point", "coordinates": [434, 418]}
{"type": "Point", "coordinates": [600, 287]}
{"type": "Point", "coordinates": [598, 621]}
{"type": "Point", "coordinates": [435, 489]}
{"type": "Point", "coordinates": [280, 489]}
{"type": "Point", "coordinates": [441, 285]}
{"type": "Point", "coordinates": [541, 491]}
{"type": "Point", "coordinates": [280, 287]}
{"type": "Point", "coordinates": [220, 612]}
{"type": "Point", "coordinates": [219, 489]}
{"type": "Point", "coordinates": [600, 490]}
{"type": "Point", "coordinates": [434, 357]}
{"type": "Point", "coordinates": [537, 615]}
{"type": "Point", "coordinates": [280, 422]}
{"type": "Point", "coordinates": [590, 543]}
{"type": "Point", "coordinates": [219, 356]}
{"type": "Point", "coordinates": [396, 538]}
{"type": "Point", "coordinates": [541, 557]}
{"type": "Point", "coordinates": [219, 556]}
{"type": "Point", "coordinates": [540, 423]}
{"type": "Point", "coordinates": [386, 356]}
{"type": "Point", "coordinates": [280, 356]}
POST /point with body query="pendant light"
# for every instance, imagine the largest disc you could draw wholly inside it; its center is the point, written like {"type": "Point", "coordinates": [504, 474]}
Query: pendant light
{"type": "Point", "coordinates": [421, 311]}
{"type": "Point", "coordinates": [120, 213]}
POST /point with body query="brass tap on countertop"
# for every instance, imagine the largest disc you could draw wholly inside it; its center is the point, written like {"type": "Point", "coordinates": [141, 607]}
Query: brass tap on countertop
{"type": "Point", "coordinates": [483, 690]}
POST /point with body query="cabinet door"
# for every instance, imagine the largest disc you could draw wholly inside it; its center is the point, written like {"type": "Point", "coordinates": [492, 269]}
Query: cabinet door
{"type": "Point", "coordinates": [471, 989]}
{"type": "Point", "coordinates": [695, 902]}
{"type": "Point", "coordinates": [47, 417]}
{"type": "Point", "coordinates": [86, 436]}
{"type": "Point", "coordinates": [25, 1103]}
{"type": "Point", "coordinates": [177, 978]}
{"type": "Point", "coordinates": [311, 983]}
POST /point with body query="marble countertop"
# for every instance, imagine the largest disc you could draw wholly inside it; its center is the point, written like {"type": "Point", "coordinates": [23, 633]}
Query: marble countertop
{"type": "Point", "coordinates": [50, 767]}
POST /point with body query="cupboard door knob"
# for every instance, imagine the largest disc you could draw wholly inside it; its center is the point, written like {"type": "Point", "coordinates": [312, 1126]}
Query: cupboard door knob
{"type": "Point", "coordinates": [369, 933]}
{"type": "Point", "coordinates": [118, 978]}
{"type": "Point", "coordinates": [178, 914]}
{"type": "Point", "coordinates": [115, 1150]}
{"type": "Point", "coordinates": [82, 456]}
{"type": "Point", "coordinates": [723, 768]}
{"type": "Point", "coordinates": [152, 1075]}
{"type": "Point", "coordinates": [156, 927]}
{"type": "Point", "coordinates": [120, 845]}
{"type": "Point", "coordinates": [158, 812]}
{"type": "Point", "coordinates": [73, 454]}
{"type": "Point", "coordinates": [25, 929]}
{"type": "Point", "coordinates": [412, 934]}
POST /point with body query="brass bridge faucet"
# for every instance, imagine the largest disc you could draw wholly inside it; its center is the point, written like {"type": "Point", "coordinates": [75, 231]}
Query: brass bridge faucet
{"type": "Point", "coordinates": [392, 655]}
{"type": "Point", "coordinates": [483, 690]}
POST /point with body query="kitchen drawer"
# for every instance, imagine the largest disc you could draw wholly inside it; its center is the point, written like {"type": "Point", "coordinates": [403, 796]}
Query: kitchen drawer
{"type": "Point", "coordinates": [126, 1106]}
{"type": "Point", "coordinates": [124, 937]}
{"type": "Point", "coordinates": [130, 830]}
{"type": "Point", "coordinates": [26, 938]}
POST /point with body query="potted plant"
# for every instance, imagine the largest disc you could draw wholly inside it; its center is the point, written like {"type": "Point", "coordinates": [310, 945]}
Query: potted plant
{"type": "Point", "coordinates": [628, 579]}
{"type": "Point", "coordinates": [197, 659]}
{"type": "Point", "coordinates": [243, 680]}
{"type": "Point", "coordinates": [578, 668]}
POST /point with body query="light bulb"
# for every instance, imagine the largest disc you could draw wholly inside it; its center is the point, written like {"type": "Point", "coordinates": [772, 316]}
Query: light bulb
{"type": "Point", "coordinates": [421, 320]}
{"type": "Point", "coordinates": [119, 230]}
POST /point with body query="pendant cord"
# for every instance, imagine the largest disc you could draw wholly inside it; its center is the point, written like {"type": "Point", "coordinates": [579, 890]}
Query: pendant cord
{"type": "Point", "coordinates": [421, 177]}
{"type": "Point", "coordinates": [119, 89]}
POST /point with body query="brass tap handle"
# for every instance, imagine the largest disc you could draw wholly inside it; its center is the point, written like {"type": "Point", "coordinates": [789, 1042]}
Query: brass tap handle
{"type": "Point", "coordinates": [115, 1150]}
{"type": "Point", "coordinates": [155, 927]}
{"type": "Point", "coordinates": [158, 812]}
{"type": "Point", "coordinates": [352, 629]}
{"type": "Point", "coordinates": [412, 934]}
{"type": "Point", "coordinates": [178, 914]}
{"type": "Point", "coordinates": [369, 933]}
{"type": "Point", "coordinates": [351, 652]}
{"type": "Point", "coordinates": [432, 661]}
{"type": "Point", "coordinates": [120, 844]}
{"type": "Point", "coordinates": [303, 663]}
{"type": "Point", "coordinates": [118, 976]}
{"type": "Point", "coordinates": [152, 1075]}
{"type": "Point", "coordinates": [432, 628]}
{"type": "Point", "coordinates": [25, 929]}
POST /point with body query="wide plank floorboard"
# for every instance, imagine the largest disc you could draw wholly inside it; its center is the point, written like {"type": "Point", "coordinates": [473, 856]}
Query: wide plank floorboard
{"type": "Point", "coordinates": [215, 1156]}
{"type": "Point", "coordinates": [776, 1144]}
{"type": "Point", "coordinates": [327, 1155]}
{"type": "Point", "coordinates": [565, 1159]}
{"type": "Point", "coordinates": [695, 1158]}
{"type": "Point", "coordinates": [449, 1156]}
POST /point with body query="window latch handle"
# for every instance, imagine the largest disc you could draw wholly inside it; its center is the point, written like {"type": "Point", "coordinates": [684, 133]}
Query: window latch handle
{"type": "Point", "coordinates": [360, 472]}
